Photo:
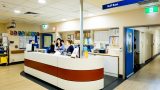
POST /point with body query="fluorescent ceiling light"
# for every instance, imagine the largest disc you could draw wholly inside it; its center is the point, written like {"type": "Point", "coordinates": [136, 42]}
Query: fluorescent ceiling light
{"type": "Point", "coordinates": [17, 11]}
{"type": "Point", "coordinates": [63, 19]}
{"type": "Point", "coordinates": [42, 1]}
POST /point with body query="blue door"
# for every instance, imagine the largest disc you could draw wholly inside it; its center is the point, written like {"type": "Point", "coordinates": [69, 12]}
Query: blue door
{"type": "Point", "coordinates": [47, 39]}
{"type": "Point", "coordinates": [129, 52]}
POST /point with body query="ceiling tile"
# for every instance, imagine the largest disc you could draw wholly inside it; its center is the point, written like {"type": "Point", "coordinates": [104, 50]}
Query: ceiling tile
{"type": "Point", "coordinates": [54, 10]}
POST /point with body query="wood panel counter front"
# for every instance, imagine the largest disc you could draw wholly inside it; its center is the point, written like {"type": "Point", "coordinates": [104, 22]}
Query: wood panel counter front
{"type": "Point", "coordinates": [17, 51]}
{"type": "Point", "coordinates": [65, 72]}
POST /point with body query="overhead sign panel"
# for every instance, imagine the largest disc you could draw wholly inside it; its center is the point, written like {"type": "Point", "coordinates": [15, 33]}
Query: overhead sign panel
{"type": "Point", "coordinates": [120, 3]}
{"type": "Point", "coordinates": [151, 9]}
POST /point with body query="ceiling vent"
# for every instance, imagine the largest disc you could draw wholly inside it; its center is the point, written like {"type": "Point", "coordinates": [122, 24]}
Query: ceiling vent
{"type": "Point", "coordinates": [147, 2]}
{"type": "Point", "coordinates": [31, 13]}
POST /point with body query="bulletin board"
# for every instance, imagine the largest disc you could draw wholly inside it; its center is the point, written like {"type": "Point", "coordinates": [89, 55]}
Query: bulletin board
{"type": "Point", "coordinates": [23, 40]}
{"type": "Point", "coordinates": [106, 36]}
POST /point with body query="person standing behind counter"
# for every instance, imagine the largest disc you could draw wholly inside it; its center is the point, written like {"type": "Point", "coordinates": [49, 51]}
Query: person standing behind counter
{"type": "Point", "coordinates": [52, 48]}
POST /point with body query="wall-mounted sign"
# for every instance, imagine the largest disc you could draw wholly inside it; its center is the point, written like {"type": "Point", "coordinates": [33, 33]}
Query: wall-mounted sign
{"type": "Point", "coordinates": [120, 3]}
{"type": "Point", "coordinates": [151, 9]}
{"type": "Point", "coordinates": [11, 32]}
{"type": "Point", "coordinates": [15, 33]}
{"type": "Point", "coordinates": [45, 26]}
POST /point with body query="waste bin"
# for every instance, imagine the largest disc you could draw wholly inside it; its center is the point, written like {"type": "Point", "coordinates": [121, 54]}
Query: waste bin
{"type": "Point", "coordinates": [3, 59]}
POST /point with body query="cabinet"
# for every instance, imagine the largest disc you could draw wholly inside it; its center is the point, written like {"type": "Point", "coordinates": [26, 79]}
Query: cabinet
{"type": "Point", "coordinates": [16, 56]}
{"type": "Point", "coordinates": [111, 65]}
{"type": "Point", "coordinates": [4, 49]}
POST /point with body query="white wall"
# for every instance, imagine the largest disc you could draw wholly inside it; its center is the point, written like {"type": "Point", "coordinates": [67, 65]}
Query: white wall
{"type": "Point", "coordinates": [2, 28]}
{"type": "Point", "coordinates": [121, 19]}
{"type": "Point", "coordinates": [156, 41]}
{"type": "Point", "coordinates": [145, 46]}
{"type": "Point", "coordinates": [27, 27]}
{"type": "Point", "coordinates": [127, 18]}
{"type": "Point", "coordinates": [149, 42]}
{"type": "Point", "coordinates": [51, 29]}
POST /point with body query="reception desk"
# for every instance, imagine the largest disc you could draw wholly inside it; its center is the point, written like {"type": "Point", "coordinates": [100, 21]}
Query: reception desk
{"type": "Point", "coordinates": [65, 72]}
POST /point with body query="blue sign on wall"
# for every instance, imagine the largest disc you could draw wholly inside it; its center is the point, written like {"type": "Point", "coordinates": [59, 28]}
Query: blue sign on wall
{"type": "Point", "coordinates": [120, 3]}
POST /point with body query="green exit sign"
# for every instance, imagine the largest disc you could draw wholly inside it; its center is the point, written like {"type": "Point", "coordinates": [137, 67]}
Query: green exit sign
{"type": "Point", "coordinates": [44, 26]}
{"type": "Point", "coordinates": [151, 9]}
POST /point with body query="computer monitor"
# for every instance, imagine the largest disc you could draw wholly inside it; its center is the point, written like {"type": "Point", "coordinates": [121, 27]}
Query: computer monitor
{"type": "Point", "coordinates": [29, 47]}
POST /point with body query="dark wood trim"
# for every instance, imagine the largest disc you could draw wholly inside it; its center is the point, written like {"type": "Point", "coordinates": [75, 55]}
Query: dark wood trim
{"type": "Point", "coordinates": [17, 51]}
{"type": "Point", "coordinates": [66, 74]}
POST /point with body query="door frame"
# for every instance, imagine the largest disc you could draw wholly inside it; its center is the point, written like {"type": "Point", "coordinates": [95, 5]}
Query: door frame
{"type": "Point", "coordinates": [125, 52]}
{"type": "Point", "coordinates": [124, 40]}
{"type": "Point", "coordinates": [43, 35]}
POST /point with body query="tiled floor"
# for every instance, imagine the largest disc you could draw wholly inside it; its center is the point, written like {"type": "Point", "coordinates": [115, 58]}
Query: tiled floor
{"type": "Point", "coordinates": [148, 78]}
{"type": "Point", "coordinates": [10, 79]}
{"type": "Point", "coordinates": [13, 78]}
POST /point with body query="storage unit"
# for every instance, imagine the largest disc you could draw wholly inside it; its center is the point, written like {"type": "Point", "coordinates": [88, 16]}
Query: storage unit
{"type": "Point", "coordinates": [16, 56]}
{"type": "Point", "coordinates": [4, 49]}
{"type": "Point", "coordinates": [111, 63]}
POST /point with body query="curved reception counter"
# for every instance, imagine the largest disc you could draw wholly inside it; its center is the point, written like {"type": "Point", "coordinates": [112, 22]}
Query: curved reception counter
{"type": "Point", "coordinates": [65, 72]}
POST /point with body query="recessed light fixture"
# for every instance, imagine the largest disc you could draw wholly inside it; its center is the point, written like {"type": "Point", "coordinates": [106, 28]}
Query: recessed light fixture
{"type": "Point", "coordinates": [17, 11]}
{"type": "Point", "coordinates": [63, 19]}
{"type": "Point", "coordinates": [42, 1]}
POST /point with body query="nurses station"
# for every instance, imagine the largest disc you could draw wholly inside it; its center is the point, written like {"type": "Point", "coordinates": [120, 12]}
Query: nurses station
{"type": "Point", "coordinates": [78, 44]}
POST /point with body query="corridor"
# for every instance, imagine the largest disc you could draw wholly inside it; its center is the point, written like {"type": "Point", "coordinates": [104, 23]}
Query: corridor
{"type": "Point", "coordinates": [148, 78]}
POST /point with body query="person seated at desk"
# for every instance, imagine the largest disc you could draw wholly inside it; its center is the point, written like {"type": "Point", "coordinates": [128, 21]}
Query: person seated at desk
{"type": "Point", "coordinates": [70, 47]}
{"type": "Point", "coordinates": [63, 45]}
{"type": "Point", "coordinates": [52, 48]}
{"type": "Point", "coordinates": [59, 46]}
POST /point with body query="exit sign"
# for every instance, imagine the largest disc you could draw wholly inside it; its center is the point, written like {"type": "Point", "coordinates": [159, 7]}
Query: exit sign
{"type": "Point", "coordinates": [151, 9]}
{"type": "Point", "coordinates": [44, 26]}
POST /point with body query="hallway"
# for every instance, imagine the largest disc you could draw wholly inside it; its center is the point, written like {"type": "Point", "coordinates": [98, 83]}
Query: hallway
{"type": "Point", "coordinates": [148, 78]}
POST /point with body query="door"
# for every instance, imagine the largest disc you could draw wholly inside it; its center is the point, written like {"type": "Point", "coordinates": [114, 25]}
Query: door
{"type": "Point", "coordinates": [47, 39]}
{"type": "Point", "coordinates": [129, 52]}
